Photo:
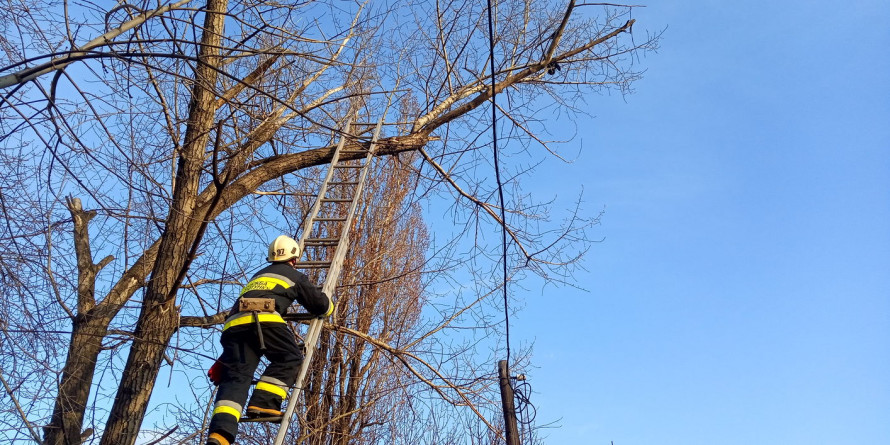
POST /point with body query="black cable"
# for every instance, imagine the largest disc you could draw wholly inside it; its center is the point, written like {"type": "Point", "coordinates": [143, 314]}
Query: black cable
{"type": "Point", "coordinates": [497, 174]}
{"type": "Point", "coordinates": [527, 411]}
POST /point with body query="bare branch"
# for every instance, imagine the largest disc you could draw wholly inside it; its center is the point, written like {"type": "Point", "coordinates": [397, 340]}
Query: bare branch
{"type": "Point", "coordinates": [18, 408]}
{"type": "Point", "coordinates": [60, 63]}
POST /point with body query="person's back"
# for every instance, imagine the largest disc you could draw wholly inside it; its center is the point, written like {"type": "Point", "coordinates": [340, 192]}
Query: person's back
{"type": "Point", "coordinates": [279, 280]}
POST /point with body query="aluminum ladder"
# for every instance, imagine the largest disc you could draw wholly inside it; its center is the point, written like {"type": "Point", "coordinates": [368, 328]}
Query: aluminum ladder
{"type": "Point", "coordinates": [327, 226]}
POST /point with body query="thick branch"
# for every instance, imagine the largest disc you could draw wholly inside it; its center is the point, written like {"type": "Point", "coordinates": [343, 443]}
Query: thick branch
{"type": "Point", "coordinates": [251, 78]}
{"type": "Point", "coordinates": [87, 271]}
{"type": "Point", "coordinates": [203, 322]}
{"type": "Point", "coordinates": [557, 35]}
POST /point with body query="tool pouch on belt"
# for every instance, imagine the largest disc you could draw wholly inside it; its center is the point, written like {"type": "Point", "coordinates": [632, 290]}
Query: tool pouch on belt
{"type": "Point", "coordinates": [256, 305]}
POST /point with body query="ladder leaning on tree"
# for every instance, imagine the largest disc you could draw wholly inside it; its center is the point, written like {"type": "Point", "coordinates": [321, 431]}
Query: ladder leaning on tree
{"type": "Point", "coordinates": [326, 234]}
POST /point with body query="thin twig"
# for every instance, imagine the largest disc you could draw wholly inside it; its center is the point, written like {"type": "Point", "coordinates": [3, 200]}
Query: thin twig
{"type": "Point", "coordinates": [20, 410]}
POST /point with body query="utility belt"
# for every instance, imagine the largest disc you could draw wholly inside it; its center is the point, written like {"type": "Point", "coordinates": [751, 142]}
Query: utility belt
{"type": "Point", "coordinates": [257, 311]}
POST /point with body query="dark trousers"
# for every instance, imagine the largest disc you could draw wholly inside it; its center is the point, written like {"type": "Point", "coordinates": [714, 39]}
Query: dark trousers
{"type": "Point", "coordinates": [240, 357]}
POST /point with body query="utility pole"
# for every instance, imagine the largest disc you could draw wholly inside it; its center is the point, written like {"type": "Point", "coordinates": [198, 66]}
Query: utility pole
{"type": "Point", "coordinates": [512, 432]}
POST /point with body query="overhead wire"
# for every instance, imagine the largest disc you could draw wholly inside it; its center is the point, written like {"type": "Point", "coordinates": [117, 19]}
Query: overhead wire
{"type": "Point", "coordinates": [497, 175]}
{"type": "Point", "coordinates": [522, 389]}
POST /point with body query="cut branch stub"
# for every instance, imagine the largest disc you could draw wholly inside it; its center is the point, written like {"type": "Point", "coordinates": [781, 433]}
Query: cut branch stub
{"type": "Point", "coordinates": [87, 271]}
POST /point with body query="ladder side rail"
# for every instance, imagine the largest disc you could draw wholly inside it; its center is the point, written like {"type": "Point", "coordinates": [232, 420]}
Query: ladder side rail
{"type": "Point", "coordinates": [330, 284]}
{"type": "Point", "coordinates": [316, 206]}
{"type": "Point", "coordinates": [314, 330]}
{"type": "Point", "coordinates": [340, 252]}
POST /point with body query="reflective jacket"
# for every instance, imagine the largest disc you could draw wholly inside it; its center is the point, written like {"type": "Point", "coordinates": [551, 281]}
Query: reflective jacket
{"type": "Point", "coordinates": [281, 282]}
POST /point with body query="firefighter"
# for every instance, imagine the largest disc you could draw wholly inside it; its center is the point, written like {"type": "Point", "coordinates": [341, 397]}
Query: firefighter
{"type": "Point", "coordinates": [254, 329]}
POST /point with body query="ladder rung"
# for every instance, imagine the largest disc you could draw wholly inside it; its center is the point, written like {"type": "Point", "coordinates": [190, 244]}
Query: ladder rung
{"type": "Point", "coordinates": [343, 183]}
{"type": "Point", "coordinates": [329, 219]}
{"type": "Point", "coordinates": [312, 264]}
{"type": "Point", "coordinates": [354, 151]}
{"type": "Point", "coordinates": [271, 419]}
{"type": "Point", "coordinates": [317, 241]}
{"type": "Point", "coordinates": [336, 200]}
{"type": "Point", "coordinates": [297, 316]}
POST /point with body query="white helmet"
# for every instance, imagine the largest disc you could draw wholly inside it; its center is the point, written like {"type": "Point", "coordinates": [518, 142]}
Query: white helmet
{"type": "Point", "coordinates": [284, 248]}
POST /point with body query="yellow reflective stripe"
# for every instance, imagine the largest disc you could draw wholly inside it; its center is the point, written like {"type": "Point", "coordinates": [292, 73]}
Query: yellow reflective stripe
{"type": "Point", "coordinates": [263, 283]}
{"type": "Point", "coordinates": [273, 381]}
{"type": "Point", "coordinates": [227, 410]}
{"type": "Point", "coordinates": [248, 318]}
{"type": "Point", "coordinates": [274, 389]}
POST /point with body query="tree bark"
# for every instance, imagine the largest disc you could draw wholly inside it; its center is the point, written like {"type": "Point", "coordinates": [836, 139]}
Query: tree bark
{"type": "Point", "coordinates": [159, 316]}
{"type": "Point", "coordinates": [77, 378]}
{"type": "Point", "coordinates": [89, 327]}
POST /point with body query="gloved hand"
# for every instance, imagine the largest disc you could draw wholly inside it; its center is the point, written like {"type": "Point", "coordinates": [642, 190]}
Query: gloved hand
{"type": "Point", "coordinates": [216, 372]}
{"type": "Point", "coordinates": [333, 302]}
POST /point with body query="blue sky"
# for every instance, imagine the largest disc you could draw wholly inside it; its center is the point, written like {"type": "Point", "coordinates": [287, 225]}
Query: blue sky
{"type": "Point", "coordinates": [741, 293]}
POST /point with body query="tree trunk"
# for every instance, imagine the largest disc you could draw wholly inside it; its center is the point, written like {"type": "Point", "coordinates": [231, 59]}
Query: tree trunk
{"type": "Point", "coordinates": [159, 315]}
{"type": "Point", "coordinates": [89, 327]}
{"type": "Point", "coordinates": [153, 331]}
{"type": "Point", "coordinates": [77, 379]}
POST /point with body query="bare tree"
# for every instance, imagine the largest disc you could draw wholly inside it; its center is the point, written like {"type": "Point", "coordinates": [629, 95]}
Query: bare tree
{"type": "Point", "coordinates": [137, 167]}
